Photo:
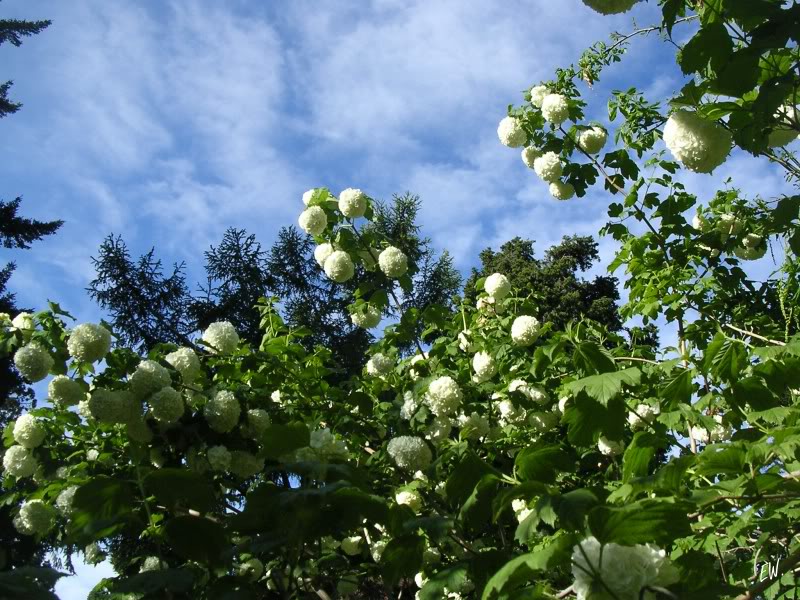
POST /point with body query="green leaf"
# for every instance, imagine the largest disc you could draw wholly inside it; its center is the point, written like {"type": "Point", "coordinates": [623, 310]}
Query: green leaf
{"type": "Point", "coordinates": [177, 581]}
{"type": "Point", "coordinates": [714, 461]}
{"type": "Point", "coordinates": [402, 557]}
{"type": "Point", "coordinates": [181, 487]}
{"type": "Point", "coordinates": [642, 522]}
{"type": "Point", "coordinates": [573, 507]}
{"type": "Point", "coordinates": [543, 464]}
{"type": "Point", "coordinates": [711, 45]}
{"type": "Point", "coordinates": [725, 358]}
{"type": "Point", "coordinates": [198, 538]}
{"type": "Point", "coordinates": [521, 570]}
{"type": "Point", "coordinates": [739, 74]}
{"type": "Point", "coordinates": [587, 419]}
{"type": "Point", "coordinates": [606, 386]}
{"type": "Point", "coordinates": [465, 477]}
{"type": "Point", "coordinates": [477, 509]}
{"type": "Point", "coordinates": [101, 507]}
{"type": "Point", "coordinates": [279, 440]}
{"type": "Point", "coordinates": [592, 358]}
{"type": "Point", "coordinates": [678, 390]}
{"type": "Point", "coordinates": [669, 13]}
{"type": "Point", "coordinates": [526, 490]}
{"type": "Point", "coordinates": [638, 455]}
{"type": "Point", "coordinates": [30, 583]}
{"type": "Point", "coordinates": [453, 578]}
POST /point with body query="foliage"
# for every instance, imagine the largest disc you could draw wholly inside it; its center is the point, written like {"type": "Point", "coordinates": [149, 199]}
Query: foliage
{"type": "Point", "coordinates": [550, 462]}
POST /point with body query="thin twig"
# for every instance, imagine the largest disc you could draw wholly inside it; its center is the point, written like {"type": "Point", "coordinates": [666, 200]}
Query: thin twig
{"type": "Point", "coordinates": [754, 335]}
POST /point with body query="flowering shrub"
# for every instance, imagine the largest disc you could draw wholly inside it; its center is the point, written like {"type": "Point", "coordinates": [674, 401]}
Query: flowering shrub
{"type": "Point", "coordinates": [503, 458]}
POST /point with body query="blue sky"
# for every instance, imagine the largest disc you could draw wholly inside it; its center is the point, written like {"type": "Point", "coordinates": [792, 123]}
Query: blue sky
{"type": "Point", "coordinates": [169, 121]}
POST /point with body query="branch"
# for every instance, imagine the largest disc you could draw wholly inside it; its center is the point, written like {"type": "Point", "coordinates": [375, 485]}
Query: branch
{"type": "Point", "coordinates": [783, 567]}
{"type": "Point", "coordinates": [754, 335]}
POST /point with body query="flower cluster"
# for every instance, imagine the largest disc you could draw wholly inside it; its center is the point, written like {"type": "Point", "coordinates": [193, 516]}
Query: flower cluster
{"type": "Point", "coordinates": [28, 432]}
{"type": "Point", "coordinates": [322, 252]}
{"type": "Point", "coordinates": [393, 262]}
{"type": "Point", "coordinates": [222, 411]}
{"type": "Point", "coordinates": [698, 144]}
{"type": "Point", "coordinates": [313, 220]}
{"type": "Point", "coordinates": [484, 367]}
{"type": "Point", "coordinates": [34, 518]}
{"type": "Point", "coordinates": [443, 396]}
{"type": "Point", "coordinates": [166, 405]}
{"type": "Point", "coordinates": [497, 286]}
{"type": "Point", "coordinates": [642, 416]}
{"type": "Point", "coordinates": [25, 322]}
{"type": "Point", "coordinates": [511, 133]}
{"type": "Point", "coordinates": [148, 378]}
{"type": "Point", "coordinates": [409, 498]}
{"type": "Point", "coordinates": [221, 337]}
{"type": "Point", "coordinates": [33, 362]}
{"type": "Point", "coordinates": [64, 391]}
{"type": "Point", "coordinates": [474, 426]}
{"type": "Point", "coordinates": [592, 140]}
{"type": "Point", "coordinates": [19, 462]}
{"type": "Point", "coordinates": [379, 365]}
{"type": "Point", "coordinates": [185, 362]}
{"type": "Point", "coordinates": [352, 203]}
{"type": "Point", "coordinates": [525, 330]}
{"type": "Point", "coordinates": [367, 317]}
{"type": "Point", "coordinates": [339, 266]}
{"type": "Point", "coordinates": [610, 447]}
{"type": "Point", "coordinates": [89, 342]}
{"type": "Point", "coordinates": [408, 452]}
{"type": "Point", "coordinates": [555, 109]}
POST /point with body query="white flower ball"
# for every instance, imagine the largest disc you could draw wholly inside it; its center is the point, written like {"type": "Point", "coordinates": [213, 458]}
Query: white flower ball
{"type": "Point", "coordinates": [410, 453]}
{"type": "Point", "coordinates": [610, 447]}
{"type": "Point", "coordinates": [642, 416]}
{"type": "Point", "coordinates": [473, 427]}
{"type": "Point", "coordinates": [555, 109]}
{"type": "Point", "coordinates": [529, 155]}
{"type": "Point", "coordinates": [538, 92]}
{"type": "Point", "coordinates": [105, 406]}
{"type": "Point", "coordinates": [221, 337]}
{"type": "Point", "coordinates": [219, 458]}
{"type": "Point", "coordinates": [610, 7]}
{"type": "Point", "coordinates": [509, 414]}
{"type": "Point", "coordinates": [542, 422]}
{"type": "Point", "coordinates": [151, 563]}
{"type": "Point", "coordinates": [525, 330]}
{"type": "Point", "coordinates": [351, 545]}
{"type": "Point", "coordinates": [222, 411]}
{"type": "Point", "coordinates": [393, 262]}
{"type": "Point", "coordinates": [185, 362]}
{"type": "Point", "coordinates": [313, 220]}
{"type": "Point", "coordinates": [443, 396]}
{"type": "Point", "coordinates": [720, 432]}
{"type": "Point", "coordinates": [28, 432]}
{"type": "Point", "coordinates": [511, 133]}
{"type": "Point", "coordinates": [258, 421]}
{"type": "Point", "coordinates": [561, 190]}
{"type": "Point", "coordinates": [276, 397]}
{"type": "Point", "coordinates": [376, 550]}
{"type": "Point", "coordinates": [339, 266]}
{"type": "Point", "coordinates": [497, 286]}
{"type": "Point", "coordinates": [700, 434]}
{"type": "Point", "coordinates": [19, 462]}
{"type": "Point", "coordinates": [307, 195]}
{"type": "Point", "coordinates": [166, 405]}
{"type": "Point", "coordinates": [379, 365]}
{"type": "Point", "coordinates": [592, 140]}
{"type": "Point", "coordinates": [369, 318]}
{"type": "Point", "coordinates": [746, 253]}
{"type": "Point", "coordinates": [521, 510]}
{"type": "Point", "coordinates": [245, 464]}
{"type": "Point", "coordinates": [410, 406]}
{"type": "Point", "coordinates": [34, 518]}
{"type": "Point", "coordinates": [352, 203]}
{"type": "Point", "coordinates": [89, 342]}
{"type": "Point", "coordinates": [148, 378]}
{"type": "Point", "coordinates": [465, 341]}
{"type": "Point", "coordinates": [730, 224]}
{"type": "Point", "coordinates": [439, 429]}
{"type": "Point", "coordinates": [33, 362]}
{"type": "Point", "coordinates": [409, 498]}
{"type": "Point", "coordinates": [698, 144]}
{"type": "Point", "coordinates": [699, 223]}
{"type": "Point", "coordinates": [751, 240]}
{"type": "Point", "coordinates": [484, 366]}
{"type": "Point", "coordinates": [532, 392]}
{"type": "Point", "coordinates": [548, 167]}
{"type": "Point", "coordinates": [786, 131]}
{"type": "Point", "coordinates": [322, 252]}
{"type": "Point", "coordinates": [326, 444]}
{"type": "Point", "coordinates": [64, 391]}
{"type": "Point", "coordinates": [562, 403]}
{"type": "Point", "coordinates": [64, 500]}
{"type": "Point", "coordinates": [251, 569]}
{"type": "Point", "coordinates": [25, 322]}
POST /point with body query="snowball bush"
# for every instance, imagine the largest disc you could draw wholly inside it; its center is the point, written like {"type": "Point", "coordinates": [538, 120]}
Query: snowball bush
{"type": "Point", "coordinates": [19, 462]}
{"type": "Point", "coordinates": [185, 362]}
{"type": "Point", "coordinates": [484, 366]}
{"type": "Point", "coordinates": [548, 167]}
{"type": "Point", "coordinates": [379, 365]}
{"type": "Point", "coordinates": [525, 330]}
{"type": "Point", "coordinates": [35, 518]}
{"type": "Point", "coordinates": [166, 405]}
{"type": "Point", "coordinates": [555, 109]}
{"type": "Point", "coordinates": [610, 447]}
{"type": "Point", "coordinates": [497, 286]}
{"type": "Point", "coordinates": [409, 498]}
{"type": "Point", "coordinates": [786, 131]}
{"type": "Point", "coordinates": [411, 453]}
{"type": "Point", "coordinates": [25, 322]}
{"type": "Point", "coordinates": [322, 252]}
{"type": "Point", "coordinates": [511, 133]}
{"type": "Point", "coordinates": [307, 195]}
{"type": "Point", "coordinates": [538, 92]}
{"type": "Point", "coordinates": [28, 432]}
{"type": "Point", "coordinates": [443, 396]}
{"type": "Point", "coordinates": [698, 144]}
{"type": "Point", "coordinates": [352, 203]}
{"type": "Point", "coordinates": [33, 362]}
{"type": "Point", "coordinates": [529, 155]}
{"type": "Point", "coordinates": [367, 318]}
{"type": "Point", "coordinates": [339, 266]}
{"type": "Point", "coordinates": [64, 391]}
{"type": "Point", "coordinates": [313, 220]}
{"type": "Point", "coordinates": [592, 140]}
{"type": "Point", "coordinates": [219, 457]}
{"type": "Point", "coordinates": [221, 337]}
{"type": "Point", "coordinates": [222, 411]}
{"type": "Point", "coordinates": [148, 378]}
{"type": "Point", "coordinates": [89, 342]}
{"type": "Point", "coordinates": [393, 262]}
{"type": "Point", "coordinates": [561, 191]}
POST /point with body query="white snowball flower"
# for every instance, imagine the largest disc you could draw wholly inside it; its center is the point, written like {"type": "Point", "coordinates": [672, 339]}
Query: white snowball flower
{"type": "Point", "coordinates": [221, 337]}
{"type": "Point", "coordinates": [439, 429]}
{"type": "Point", "coordinates": [642, 416]}
{"type": "Point", "coordinates": [786, 131]}
{"type": "Point", "coordinates": [699, 223]}
{"type": "Point", "coordinates": [548, 167]}
{"type": "Point", "coordinates": [610, 7]}
{"type": "Point", "coordinates": [106, 406]}
{"type": "Point", "coordinates": [219, 457]}
{"type": "Point", "coordinates": [443, 396]}
{"type": "Point", "coordinates": [532, 392]}
{"type": "Point", "coordinates": [497, 286]}
{"type": "Point", "coordinates": [19, 462]}
{"type": "Point", "coordinates": [28, 432]}
{"type": "Point", "coordinates": [326, 445]}
{"type": "Point", "coordinates": [92, 455]}
{"type": "Point", "coordinates": [393, 262]}
{"type": "Point", "coordinates": [313, 220]}
{"type": "Point", "coordinates": [509, 414]}
{"type": "Point", "coordinates": [745, 253]}
{"type": "Point", "coordinates": [166, 405]}
{"type": "Point", "coordinates": [148, 378]}
{"type": "Point", "coordinates": [307, 195]}
{"type": "Point", "coordinates": [474, 426]}
{"type": "Point", "coordinates": [366, 318]}
{"type": "Point", "coordinates": [542, 422]}
{"type": "Point", "coordinates": [185, 362]}
{"type": "Point", "coordinates": [698, 144]}
{"type": "Point", "coordinates": [410, 406]}
{"type": "Point", "coordinates": [33, 362]}
{"type": "Point", "coordinates": [529, 155]}
{"type": "Point", "coordinates": [251, 569]}
{"type": "Point", "coordinates": [222, 411]}
{"type": "Point", "coordinates": [322, 252]}
{"type": "Point", "coordinates": [25, 322]}
{"type": "Point", "coordinates": [700, 434]}
{"type": "Point", "coordinates": [525, 330]}
{"type": "Point", "coordinates": [64, 500]}
{"type": "Point", "coordinates": [561, 190]}
{"type": "Point", "coordinates": [720, 432]}
{"type": "Point", "coordinates": [376, 550]}
{"type": "Point", "coordinates": [538, 92]}
{"type": "Point", "coordinates": [352, 203]}
{"type": "Point", "coordinates": [511, 133]}
{"type": "Point", "coordinates": [34, 518]}
{"type": "Point", "coordinates": [276, 397]}
{"type": "Point", "coordinates": [484, 367]}
{"type": "Point", "coordinates": [351, 545]}
{"type": "Point", "coordinates": [64, 391]}
{"type": "Point", "coordinates": [409, 498]}
{"type": "Point", "coordinates": [339, 266]}
{"type": "Point", "coordinates": [379, 365]}
{"type": "Point", "coordinates": [562, 403]}
{"type": "Point", "coordinates": [245, 464]}
{"type": "Point", "coordinates": [410, 453]}
{"type": "Point", "coordinates": [555, 109]}
{"type": "Point", "coordinates": [258, 422]}
{"type": "Point", "coordinates": [592, 140]}
{"type": "Point", "coordinates": [610, 447]}
{"type": "Point", "coordinates": [89, 342]}
{"type": "Point", "coordinates": [151, 563]}
{"type": "Point", "coordinates": [521, 510]}
{"type": "Point", "coordinates": [465, 342]}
